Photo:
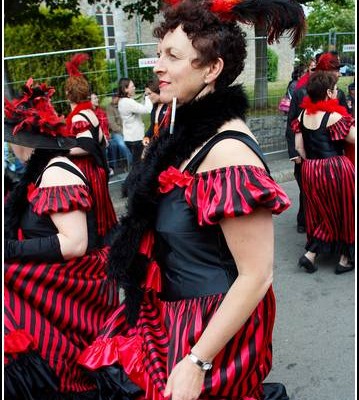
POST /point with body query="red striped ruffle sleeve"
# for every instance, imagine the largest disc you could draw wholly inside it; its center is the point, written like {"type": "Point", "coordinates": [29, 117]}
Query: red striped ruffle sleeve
{"type": "Point", "coordinates": [341, 128]}
{"type": "Point", "coordinates": [79, 127]}
{"type": "Point", "coordinates": [232, 192]}
{"type": "Point", "coordinates": [295, 125]}
{"type": "Point", "coordinates": [47, 200]}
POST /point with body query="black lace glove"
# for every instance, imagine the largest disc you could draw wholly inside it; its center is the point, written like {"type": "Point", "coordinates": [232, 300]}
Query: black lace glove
{"type": "Point", "coordinates": [38, 249]}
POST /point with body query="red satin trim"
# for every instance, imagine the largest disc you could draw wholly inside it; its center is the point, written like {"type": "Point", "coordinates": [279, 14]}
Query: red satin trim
{"type": "Point", "coordinates": [124, 350]}
{"type": "Point", "coordinates": [331, 105]}
{"type": "Point", "coordinates": [79, 127]}
{"type": "Point", "coordinates": [83, 105]}
{"type": "Point", "coordinates": [173, 177]}
{"type": "Point", "coordinates": [153, 277]}
{"type": "Point", "coordinates": [18, 341]}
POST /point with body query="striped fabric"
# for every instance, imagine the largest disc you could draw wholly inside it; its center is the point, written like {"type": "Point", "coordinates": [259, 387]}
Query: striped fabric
{"type": "Point", "coordinates": [341, 128]}
{"type": "Point", "coordinates": [233, 191]}
{"type": "Point", "coordinates": [105, 213]}
{"type": "Point", "coordinates": [62, 307]}
{"type": "Point", "coordinates": [59, 199]}
{"type": "Point", "coordinates": [329, 188]}
{"type": "Point", "coordinates": [166, 331]}
{"type": "Point", "coordinates": [56, 310]}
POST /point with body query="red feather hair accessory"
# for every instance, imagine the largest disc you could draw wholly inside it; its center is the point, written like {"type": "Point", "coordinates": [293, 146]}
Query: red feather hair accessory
{"type": "Point", "coordinates": [73, 65]}
{"type": "Point", "coordinates": [328, 62]}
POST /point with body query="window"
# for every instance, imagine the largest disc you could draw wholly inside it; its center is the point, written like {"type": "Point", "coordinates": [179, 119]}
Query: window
{"type": "Point", "coordinates": [105, 19]}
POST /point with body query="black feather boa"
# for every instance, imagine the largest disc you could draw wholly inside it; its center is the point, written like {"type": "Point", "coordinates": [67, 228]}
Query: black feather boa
{"type": "Point", "coordinates": [195, 123]}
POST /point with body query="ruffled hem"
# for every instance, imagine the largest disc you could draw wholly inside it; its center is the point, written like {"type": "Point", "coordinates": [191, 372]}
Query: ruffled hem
{"type": "Point", "coordinates": [123, 350]}
{"type": "Point", "coordinates": [115, 384]}
{"type": "Point", "coordinates": [53, 199]}
{"type": "Point", "coordinates": [28, 377]}
{"type": "Point", "coordinates": [340, 248]}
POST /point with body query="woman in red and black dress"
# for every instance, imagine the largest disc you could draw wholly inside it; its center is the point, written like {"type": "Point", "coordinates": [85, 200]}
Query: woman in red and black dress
{"type": "Point", "coordinates": [90, 154]}
{"type": "Point", "coordinates": [195, 251]}
{"type": "Point", "coordinates": [56, 293]}
{"type": "Point", "coordinates": [322, 130]}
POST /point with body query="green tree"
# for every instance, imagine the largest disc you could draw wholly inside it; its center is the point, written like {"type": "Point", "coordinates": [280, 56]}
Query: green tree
{"type": "Point", "coordinates": [326, 16]}
{"type": "Point", "coordinates": [54, 32]}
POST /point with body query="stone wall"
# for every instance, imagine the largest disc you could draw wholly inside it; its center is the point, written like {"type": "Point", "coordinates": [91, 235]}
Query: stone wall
{"type": "Point", "coordinates": [269, 131]}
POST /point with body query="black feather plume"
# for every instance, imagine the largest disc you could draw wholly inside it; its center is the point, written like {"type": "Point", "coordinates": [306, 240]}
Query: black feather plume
{"type": "Point", "coordinates": [276, 16]}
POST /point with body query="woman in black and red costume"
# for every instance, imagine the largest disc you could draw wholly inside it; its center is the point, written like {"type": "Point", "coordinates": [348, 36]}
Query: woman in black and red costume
{"type": "Point", "coordinates": [90, 152]}
{"type": "Point", "coordinates": [195, 250]}
{"type": "Point", "coordinates": [322, 131]}
{"type": "Point", "coordinates": [56, 290]}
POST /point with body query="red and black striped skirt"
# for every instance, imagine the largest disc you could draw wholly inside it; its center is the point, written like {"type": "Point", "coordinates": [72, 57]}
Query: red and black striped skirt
{"type": "Point", "coordinates": [54, 311]}
{"type": "Point", "coordinates": [329, 189]}
{"type": "Point", "coordinates": [165, 333]}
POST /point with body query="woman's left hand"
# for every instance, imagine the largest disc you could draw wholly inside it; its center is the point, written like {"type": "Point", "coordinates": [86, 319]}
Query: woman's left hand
{"type": "Point", "coordinates": [185, 381]}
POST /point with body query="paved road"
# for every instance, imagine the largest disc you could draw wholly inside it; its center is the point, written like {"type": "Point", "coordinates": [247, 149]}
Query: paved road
{"type": "Point", "coordinates": [314, 337]}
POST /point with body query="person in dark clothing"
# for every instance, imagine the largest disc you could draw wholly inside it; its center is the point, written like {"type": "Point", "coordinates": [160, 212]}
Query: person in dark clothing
{"type": "Point", "coordinates": [351, 98]}
{"type": "Point", "coordinates": [296, 74]}
{"type": "Point", "coordinates": [326, 62]}
{"type": "Point", "coordinates": [322, 130]}
{"type": "Point", "coordinates": [160, 114]}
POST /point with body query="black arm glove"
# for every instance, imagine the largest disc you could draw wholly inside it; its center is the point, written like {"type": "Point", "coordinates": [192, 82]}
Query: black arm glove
{"type": "Point", "coordinates": [45, 249]}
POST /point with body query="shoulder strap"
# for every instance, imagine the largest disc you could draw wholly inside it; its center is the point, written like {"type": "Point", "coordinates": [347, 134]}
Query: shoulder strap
{"type": "Point", "coordinates": [243, 137]}
{"type": "Point", "coordinates": [68, 167]}
{"type": "Point", "coordinates": [325, 120]}
{"type": "Point", "coordinates": [94, 129]}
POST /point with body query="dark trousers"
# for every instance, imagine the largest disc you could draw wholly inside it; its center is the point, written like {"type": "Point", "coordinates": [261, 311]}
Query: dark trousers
{"type": "Point", "coordinates": [298, 178]}
{"type": "Point", "coordinates": [136, 149]}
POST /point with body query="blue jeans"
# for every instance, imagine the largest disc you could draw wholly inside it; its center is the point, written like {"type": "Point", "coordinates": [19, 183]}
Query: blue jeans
{"type": "Point", "coordinates": [118, 149]}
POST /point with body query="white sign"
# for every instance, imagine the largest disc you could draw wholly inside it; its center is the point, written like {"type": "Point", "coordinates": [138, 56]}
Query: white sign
{"type": "Point", "coordinates": [147, 62]}
{"type": "Point", "coordinates": [348, 47]}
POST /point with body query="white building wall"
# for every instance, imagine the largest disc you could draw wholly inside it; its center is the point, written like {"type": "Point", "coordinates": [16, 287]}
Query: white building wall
{"type": "Point", "coordinates": [136, 31]}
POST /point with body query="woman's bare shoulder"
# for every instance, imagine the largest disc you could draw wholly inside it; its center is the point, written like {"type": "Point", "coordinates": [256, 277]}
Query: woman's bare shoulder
{"type": "Point", "coordinates": [58, 176]}
{"type": "Point", "coordinates": [229, 152]}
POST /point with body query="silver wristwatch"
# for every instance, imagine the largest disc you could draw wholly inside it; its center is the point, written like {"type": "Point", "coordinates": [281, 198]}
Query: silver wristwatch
{"type": "Point", "coordinates": [204, 365]}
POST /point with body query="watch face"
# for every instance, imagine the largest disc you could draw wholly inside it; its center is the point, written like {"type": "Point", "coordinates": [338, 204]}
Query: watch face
{"type": "Point", "coordinates": [206, 366]}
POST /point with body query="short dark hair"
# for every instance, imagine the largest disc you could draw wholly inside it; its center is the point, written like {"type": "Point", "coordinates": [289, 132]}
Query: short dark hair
{"type": "Point", "coordinates": [318, 84]}
{"type": "Point", "coordinates": [211, 37]}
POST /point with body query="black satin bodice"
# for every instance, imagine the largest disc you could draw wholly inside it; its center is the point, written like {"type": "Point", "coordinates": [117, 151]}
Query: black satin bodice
{"type": "Point", "coordinates": [194, 261]}
{"type": "Point", "coordinates": [317, 142]}
{"type": "Point", "coordinates": [34, 225]}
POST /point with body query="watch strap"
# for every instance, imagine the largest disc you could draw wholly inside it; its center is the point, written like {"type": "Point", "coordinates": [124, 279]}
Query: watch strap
{"type": "Point", "coordinates": [204, 365]}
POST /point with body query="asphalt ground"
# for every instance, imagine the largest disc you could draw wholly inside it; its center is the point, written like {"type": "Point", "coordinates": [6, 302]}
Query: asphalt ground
{"type": "Point", "coordinates": [314, 346]}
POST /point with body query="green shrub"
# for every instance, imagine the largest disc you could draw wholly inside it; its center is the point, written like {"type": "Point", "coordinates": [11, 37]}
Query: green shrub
{"type": "Point", "coordinates": [138, 75]}
{"type": "Point", "coordinates": [55, 32]}
{"type": "Point", "coordinates": [272, 65]}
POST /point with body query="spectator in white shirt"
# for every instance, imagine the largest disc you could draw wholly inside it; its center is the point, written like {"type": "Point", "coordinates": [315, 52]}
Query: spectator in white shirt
{"type": "Point", "coordinates": [131, 113]}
